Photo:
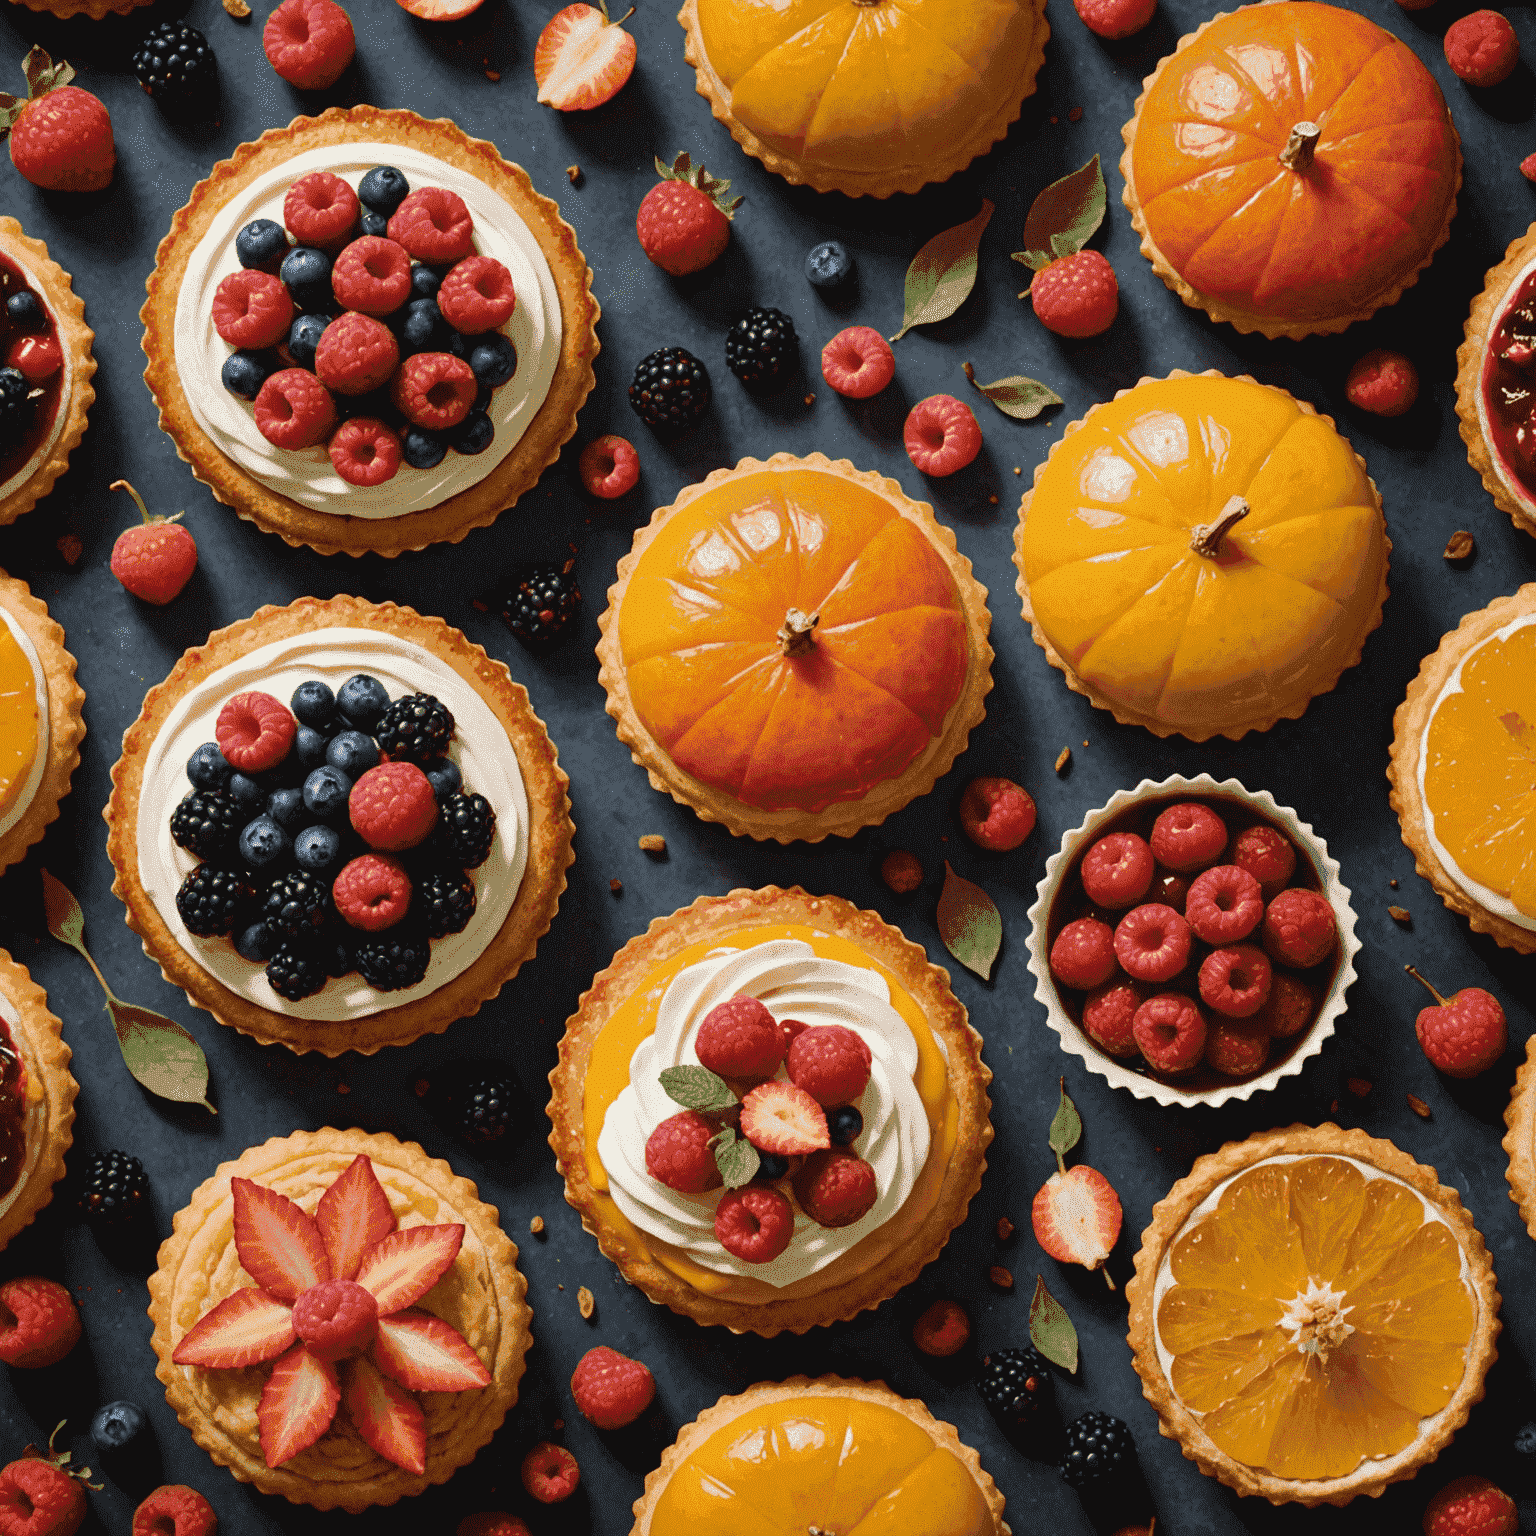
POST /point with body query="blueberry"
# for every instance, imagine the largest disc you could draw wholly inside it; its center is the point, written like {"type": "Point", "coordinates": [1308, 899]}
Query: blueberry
{"type": "Point", "coordinates": [473, 434]}
{"type": "Point", "coordinates": [117, 1425]}
{"type": "Point", "coordinates": [307, 272]}
{"type": "Point", "coordinates": [257, 943]}
{"type": "Point", "coordinates": [318, 849]}
{"type": "Point", "coordinates": [844, 1124]}
{"type": "Point", "coordinates": [444, 777]}
{"type": "Point", "coordinates": [1525, 1443]}
{"type": "Point", "coordinates": [770, 1166]}
{"type": "Point", "coordinates": [372, 223]}
{"type": "Point", "coordinates": [313, 704]}
{"type": "Point", "coordinates": [250, 797]}
{"type": "Point", "coordinates": [262, 244]}
{"type": "Point", "coordinates": [304, 336]}
{"type": "Point", "coordinates": [326, 791]}
{"type": "Point", "coordinates": [828, 265]}
{"type": "Point", "coordinates": [362, 700]}
{"type": "Point", "coordinates": [493, 360]}
{"type": "Point", "coordinates": [309, 747]}
{"type": "Point", "coordinates": [207, 769]}
{"type": "Point", "coordinates": [383, 189]}
{"type": "Point", "coordinates": [425, 282]}
{"type": "Point", "coordinates": [24, 311]}
{"type": "Point", "coordinates": [457, 344]}
{"type": "Point", "coordinates": [244, 373]}
{"type": "Point", "coordinates": [263, 842]}
{"type": "Point", "coordinates": [286, 808]}
{"type": "Point", "coordinates": [422, 449]}
{"type": "Point", "coordinates": [423, 328]}
{"type": "Point", "coordinates": [353, 753]}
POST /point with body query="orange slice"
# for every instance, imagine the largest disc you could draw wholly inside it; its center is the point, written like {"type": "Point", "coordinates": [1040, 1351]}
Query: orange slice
{"type": "Point", "coordinates": [18, 718]}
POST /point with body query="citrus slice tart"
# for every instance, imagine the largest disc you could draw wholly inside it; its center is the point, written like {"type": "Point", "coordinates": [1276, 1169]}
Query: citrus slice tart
{"type": "Point", "coordinates": [294, 883]}
{"type": "Point", "coordinates": [1520, 1139]}
{"type": "Point", "coordinates": [41, 725]}
{"type": "Point", "coordinates": [1463, 769]}
{"type": "Point", "coordinates": [51, 373]}
{"type": "Point", "coordinates": [891, 1143]}
{"type": "Point", "coordinates": [1202, 555]}
{"type": "Point", "coordinates": [795, 648]}
{"type": "Point", "coordinates": [1312, 1315]}
{"type": "Point", "coordinates": [286, 230]}
{"type": "Point", "coordinates": [339, 1319]}
{"type": "Point", "coordinates": [819, 1454]}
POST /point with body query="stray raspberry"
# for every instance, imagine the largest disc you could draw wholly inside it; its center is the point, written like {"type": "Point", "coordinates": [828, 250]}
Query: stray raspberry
{"type": "Point", "coordinates": [739, 1038]}
{"type": "Point", "coordinates": [393, 807]}
{"type": "Point", "coordinates": [1482, 48]}
{"type": "Point", "coordinates": [356, 354]}
{"type": "Point", "coordinates": [372, 892]}
{"type": "Point", "coordinates": [364, 451]}
{"type": "Point", "coordinates": [492, 1522]}
{"type": "Point", "coordinates": [836, 1187]}
{"type": "Point", "coordinates": [372, 275]}
{"type": "Point", "coordinates": [1236, 1047]}
{"type": "Point", "coordinates": [996, 814]}
{"type": "Point", "coordinates": [255, 731]}
{"type": "Point", "coordinates": [754, 1224]}
{"type": "Point", "coordinates": [294, 409]}
{"type": "Point", "coordinates": [611, 1389]}
{"type": "Point", "coordinates": [941, 435]}
{"type": "Point", "coordinates": [309, 42]}
{"type": "Point", "coordinates": [1083, 954]}
{"type": "Point", "coordinates": [902, 871]}
{"type": "Point", "coordinates": [1170, 1032]}
{"type": "Point", "coordinates": [434, 225]}
{"type": "Point", "coordinates": [477, 295]}
{"type": "Point", "coordinates": [1383, 382]}
{"type": "Point", "coordinates": [39, 1322]}
{"type": "Point", "coordinates": [1112, 19]}
{"type": "Point", "coordinates": [831, 1063]}
{"type": "Point", "coordinates": [1471, 1506]}
{"type": "Point", "coordinates": [1299, 929]}
{"type": "Point", "coordinates": [678, 1154]}
{"type": "Point", "coordinates": [434, 389]}
{"type": "Point", "coordinates": [252, 309]}
{"type": "Point", "coordinates": [942, 1330]}
{"type": "Point", "coordinates": [175, 1510]}
{"type": "Point", "coordinates": [321, 210]}
{"type": "Point", "coordinates": [550, 1473]}
{"type": "Point", "coordinates": [1464, 1034]}
{"type": "Point", "coordinates": [38, 1497]}
{"type": "Point", "coordinates": [1528, 168]}
{"type": "Point", "coordinates": [1076, 296]}
{"type": "Point", "coordinates": [1235, 980]}
{"type": "Point", "coordinates": [858, 362]}
{"type": "Point", "coordinates": [609, 466]}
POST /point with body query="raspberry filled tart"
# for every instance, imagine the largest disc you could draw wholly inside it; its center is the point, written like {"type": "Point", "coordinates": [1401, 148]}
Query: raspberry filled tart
{"type": "Point", "coordinates": [770, 1110]}
{"type": "Point", "coordinates": [367, 332]}
{"type": "Point", "coordinates": [339, 825]}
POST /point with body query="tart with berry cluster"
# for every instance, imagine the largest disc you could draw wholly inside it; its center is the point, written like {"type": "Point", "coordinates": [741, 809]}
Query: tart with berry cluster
{"type": "Point", "coordinates": [366, 332]}
{"type": "Point", "coordinates": [339, 825]}
{"type": "Point", "coordinates": [339, 1319]}
{"type": "Point", "coordinates": [770, 1110]}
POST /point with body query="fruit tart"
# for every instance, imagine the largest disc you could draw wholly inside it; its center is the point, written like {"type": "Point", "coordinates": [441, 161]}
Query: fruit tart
{"type": "Point", "coordinates": [822, 1453]}
{"type": "Point", "coordinates": [770, 1110]}
{"type": "Point", "coordinates": [339, 1319]}
{"type": "Point", "coordinates": [367, 332]}
{"type": "Point", "coordinates": [339, 825]}
{"type": "Point", "coordinates": [1463, 769]}
{"type": "Point", "coordinates": [1200, 590]}
{"type": "Point", "coordinates": [41, 725]}
{"type": "Point", "coordinates": [1520, 1141]}
{"type": "Point", "coordinates": [794, 648]}
{"type": "Point", "coordinates": [46, 367]}
{"type": "Point", "coordinates": [96, 9]}
{"type": "Point", "coordinates": [1312, 1315]}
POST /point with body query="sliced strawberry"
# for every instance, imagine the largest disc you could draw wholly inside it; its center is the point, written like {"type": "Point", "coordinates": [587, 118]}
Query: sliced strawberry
{"type": "Point", "coordinates": [404, 1266]}
{"type": "Point", "coordinates": [386, 1416]}
{"type": "Point", "coordinates": [582, 58]}
{"type": "Point", "coordinates": [780, 1118]}
{"type": "Point", "coordinates": [426, 1354]}
{"type": "Point", "coordinates": [352, 1216]}
{"type": "Point", "coordinates": [1076, 1216]}
{"type": "Point", "coordinates": [279, 1244]}
{"type": "Point", "coordinates": [243, 1329]}
{"type": "Point", "coordinates": [297, 1405]}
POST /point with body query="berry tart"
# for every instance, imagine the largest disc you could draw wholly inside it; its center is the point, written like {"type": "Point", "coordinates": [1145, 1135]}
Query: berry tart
{"type": "Point", "coordinates": [339, 826]}
{"type": "Point", "coordinates": [824, 1454]}
{"type": "Point", "coordinates": [339, 1319]}
{"type": "Point", "coordinates": [770, 1110]}
{"type": "Point", "coordinates": [46, 367]}
{"type": "Point", "coordinates": [1463, 759]}
{"type": "Point", "coordinates": [367, 332]}
{"type": "Point", "coordinates": [794, 648]}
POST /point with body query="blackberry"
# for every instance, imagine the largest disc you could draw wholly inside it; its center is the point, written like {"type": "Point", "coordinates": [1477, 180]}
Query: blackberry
{"type": "Point", "coordinates": [393, 959]}
{"type": "Point", "coordinates": [1017, 1385]}
{"type": "Point", "coordinates": [465, 827]}
{"type": "Point", "coordinates": [670, 391]}
{"type": "Point", "coordinates": [761, 349]}
{"type": "Point", "coordinates": [485, 1112]}
{"type": "Point", "coordinates": [15, 408]}
{"type": "Point", "coordinates": [212, 900]}
{"type": "Point", "coordinates": [297, 905]}
{"type": "Point", "coordinates": [115, 1192]}
{"type": "Point", "coordinates": [1099, 1449]}
{"type": "Point", "coordinates": [445, 898]}
{"type": "Point", "coordinates": [176, 66]}
{"type": "Point", "coordinates": [541, 603]}
{"type": "Point", "coordinates": [117, 1426]}
{"type": "Point", "coordinates": [296, 970]}
{"type": "Point", "coordinates": [415, 729]}
{"type": "Point", "coordinates": [205, 823]}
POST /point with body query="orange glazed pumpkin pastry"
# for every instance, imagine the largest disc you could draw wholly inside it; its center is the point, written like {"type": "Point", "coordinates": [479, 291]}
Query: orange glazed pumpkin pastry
{"type": "Point", "coordinates": [1291, 168]}
{"type": "Point", "coordinates": [819, 1454]}
{"type": "Point", "coordinates": [1312, 1315]}
{"type": "Point", "coordinates": [1463, 769]}
{"type": "Point", "coordinates": [1520, 1141]}
{"type": "Point", "coordinates": [863, 1099]}
{"type": "Point", "coordinates": [795, 648]}
{"type": "Point", "coordinates": [1202, 555]}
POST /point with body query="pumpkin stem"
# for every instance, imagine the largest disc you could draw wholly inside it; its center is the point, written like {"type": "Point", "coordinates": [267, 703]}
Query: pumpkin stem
{"type": "Point", "coordinates": [1206, 538]}
{"type": "Point", "coordinates": [795, 632]}
{"type": "Point", "coordinates": [1301, 146]}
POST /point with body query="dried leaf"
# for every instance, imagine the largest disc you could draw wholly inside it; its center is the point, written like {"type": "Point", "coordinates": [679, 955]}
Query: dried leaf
{"type": "Point", "coordinates": [1063, 759]}
{"type": "Point", "coordinates": [1461, 546]}
{"type": "Point", "coordinates": [736, 1158]}
{"type": "Point", "coordinates": [969, 924]}
{"type": "Point", "coordinates": [66, 922]}
{"type": "Point", "coordinates": [943, 273]}
{"type": "Point", "coordinates": [1066, 1128]}
{"type": "Point", "coordinates": [697, 1088]}
{"type": "Point", "coordinates": [161, 1054]}
{"type": "Point", "coordinates": [1063, 218]}
{"type": "Point", "coordinates": [1016, 396]}
{"type": "Point", "coordinates": [1051, 1330]}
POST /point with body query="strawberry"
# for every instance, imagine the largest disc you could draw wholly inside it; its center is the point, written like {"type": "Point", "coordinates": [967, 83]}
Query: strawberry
{"type": "Point", "coordinates": [1076, 1216]}
{"type": "Point", "coordinates": [441, 10]}
{"type": "Point", "coordinates": [155, 560]}
{"type": "Point", "coordinates": [244, 1329]}
{"type": "Point", "coordinates": [61, 136]}
{"type": "Point", "coordinates": [386, 1416]}
{"type": "Point", "coordinates": [297, 1405]}
{"type": "Point", "coordinates": [426, 1354]}
{"type": "Point", "coordinates": [42, 1495]}
{"type": "Point", "coordinates": [611, 1389]}
{"type": "Point", "coordinates": [402, 1268]}
{"type": "Point", "coordinates": [278, 1243]}
{"type": "Point", "coordinates": [780, 1118]}
{"type": "Point", "coordinates": [684, 221]}
{"type": "Point", "coordinates": [353, 1215]}
{"type": "Point", "coordinates": [1471, 1506]}
{"type": "Point", "coordinates": [582, 58]}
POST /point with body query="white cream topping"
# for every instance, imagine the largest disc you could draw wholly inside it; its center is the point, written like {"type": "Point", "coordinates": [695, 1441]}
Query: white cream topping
{"type": "Point", "coordinates": [66, 388]}
{"type": "Point", "coordinates": [1506, 476]}
{"type": "Point", "coordinates": [793, 982]}
{"type": "Point", "coordinates": [40, 760]}
{"type": "Point", "coordinates": [479, 747]}
{"type": "Point", "coordinates": [307, 476]}
{"type": "Point", "coordinates": [1490, 901]}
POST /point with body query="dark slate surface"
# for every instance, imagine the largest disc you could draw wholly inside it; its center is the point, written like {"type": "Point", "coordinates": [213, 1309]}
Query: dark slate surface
{"type": "Point", "coordinates": [1329, 765]}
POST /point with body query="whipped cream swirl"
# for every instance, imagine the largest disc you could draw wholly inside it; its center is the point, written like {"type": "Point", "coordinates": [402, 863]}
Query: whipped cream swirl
{"type": "Point", "coordinates": [40, 757]}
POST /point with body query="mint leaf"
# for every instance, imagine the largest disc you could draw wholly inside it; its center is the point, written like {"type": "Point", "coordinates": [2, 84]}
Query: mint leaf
{"type": "Point", "coordinates": [1050, 1329]}
{"type": "Point", "coordinates": [736, 1158]}
{"type": "Point", "coordinates": [1066, 1127]}
{"type": "Point", "coordinates": [969, 923]}
{"type": "Point", "coordinates": [1016, 396]}
{"type": "Point", "coordinates": [697, 1088]}
{"type": "Point", "coordinates": [943, 273]}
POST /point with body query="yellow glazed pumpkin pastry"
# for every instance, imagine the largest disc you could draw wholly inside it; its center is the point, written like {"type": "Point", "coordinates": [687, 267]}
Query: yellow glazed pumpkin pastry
{"type": "Point", "coordinates": [794, 648]}
{"type": "Point", "coordinates": [866, 96]}
{"type": "Point", "coordinates": [1202, 555]}
{"type": "Point", "coordinates": [1463, 769]}
{"type": "Point", "coordinates": [1520, 1141]}
{"type": "Point", "coordinates": [824, 1454]}
{"type": "Point", "coordinates": [1312, 1315]}
{"type": "Point", "coordinates": [790, 1252]}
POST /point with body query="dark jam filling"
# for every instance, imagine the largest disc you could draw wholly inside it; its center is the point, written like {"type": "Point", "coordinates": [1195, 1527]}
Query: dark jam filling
{"type": "Point", "coordinates": [1072, 902]}
{"type": "Point", "coordinates": [1509, 387]}
{"type": "Point", "coordinates": [43, 399]}
{"type": "Point", "coordinates": [13, 1098]}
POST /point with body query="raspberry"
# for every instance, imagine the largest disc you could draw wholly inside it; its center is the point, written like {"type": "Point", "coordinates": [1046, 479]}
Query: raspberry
{"type": "Point", "coordinates": [681, 227]}
{"type": "Point", "coordinates": [1236, 1047]}
{"type": "Point", "coordinates": [609, 466]}
{"type": "Point", "coordinates": [372, 892]}
{"type": "Point", "coordinates": [941, 435]}
{"type": "Point", "coordinates": [255, 731]}
{"type": "Point", "coordinates": [791, 1029]}
{"type": "Point", "coordinates": [1223, 904]}
{"type": "Point", "coordinates": [477, 295]}
{"type": "Point", "coordinates": [1299, 929]}
{"type": "Point", "coordinates": [356, 354]}
{"type": "Point", "coordinates": [1107, 1017]}
{"type": "Point", "coordinates": [39, 1322]}
{"type": "Point", "coordinates": [831, 1063]}
{"type": "Point", "coordinates": [39, 1498]}
{"type": "Point", "coordinates": [294, 409]}
{"type": "Point", "coordinates": [1268, 856]}
{"type": "Point", "coordinates": [1188, 837]}
{"type": "Point", "coordinates": [252, 309]}
{"type": "Point", "coordinates": [1152, 942]}
{"type": "Point", "coordinates": [1528, 168]}
{"type": "Point", "coordinates": [1383, 382]}
{"type": "Point", "coordinates": [372, 276]}
{"type": "Point", "coordinates": [858, 362]}
{"type": "Point", "coordinates": [433, 225]}
{"type": "Point", "coordinates": [1083, 955]}
{"type": "Point", "coordinates": [1076, 296]}
{"type": "Point", "coordinates": [1235, 980]}
{"type": "Point", "coordinates": [902, 871]}
{"type": "Point", "coordinates": [1471, 1506]}
{"type": "Point", "coordinates": [754, 1224]}
{"type": "Point", "coordinates": [942, 1330]}
{"type": "Point", "coordinates": [364, 451]}
{"type": "Point", "coordinates": [550, 1473]}
{"type": "Point", "coordinates": [1289, 1009]}
{"type": "Point", "coordinates": [678, 1154]}
{"type": "Point", "coordinates": [175, 1510]}
{"type": "Point", "coordinates": [321, 210]}
{"type": "Point", "coordinates": [308, 42]}
{"type": "Point", "coordinates": [1170, 1032]}
{"type": "Point", "coordinates": [739, 1038]}
{"type": "Point", "coordinates": [1482, 48]}
{"type": "Point", "coordinates": [836, 1188]}
{"type": "Point", "coordinates": [1464, 1034]}
{"type": "Point", "coordinates": [336, 1318]}
{"type": "Point", "coordinates": [492, 1522]}
{"type": "Point", "coordinates": [996, 814]}
{"type": "Point", "coordinates": [611, 1389]}
{"type": "Point", "coordinates": [435, 390]}
{"type": "Point", "coordinates": [1117, 871]}
{"type": "Point", "coordinates": [1114, 18]}
{"type": "Point", "coordinates": [393, 807]}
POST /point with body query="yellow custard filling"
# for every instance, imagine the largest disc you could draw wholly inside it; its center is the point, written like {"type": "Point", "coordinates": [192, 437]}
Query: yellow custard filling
{"type": "Point", "coordinates": [18, 719]}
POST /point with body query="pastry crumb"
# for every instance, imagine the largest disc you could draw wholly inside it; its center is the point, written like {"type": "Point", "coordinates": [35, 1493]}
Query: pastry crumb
{"type": "Point", "coordinates": [343, 1088]}
{"type": "Point", "coordinates": [1418, 1106]}
{"type": "Point", "coordinates": [574, 172]}
{"type": "Point", "coordinates": [1064, 760]}
{"type": "Point", "coordinates": [1005, 1229]}
{"type": "Point", "coordinates": [1000, 1277]}
{"type": "Point", "coordinates": [1462, 546]}
{"type": "Point", "coordinates": [237, 8]}
{"type": "Point", "coordinates": [810, 399]}
{"type": "Point", "coordinates": [1393, 884]}
{"type": "Point", "coordinates": [1017, 470]}
{"type": "Point", "coordinates": [536, 1226]}
{"type": "Point", "coordinates": [992, 500]}
{"type": "Point", "coordinates": [1359, 1086]}
{"type": "Point", "coordinates": [493, 74]}
{"type": "Point", "coordinates": [1401, 915]}
{"type": "Point", "coordinates": [586, 1302]}
{"type": "Point", "coordinates": [653, 842]}
{"type": "Point", "coordinates": [616, 886]}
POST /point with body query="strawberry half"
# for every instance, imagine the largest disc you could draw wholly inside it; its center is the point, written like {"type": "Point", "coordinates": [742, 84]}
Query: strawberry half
{"type": "Point", "coordinates": [426, 1354]}
{"type": "Point", "coordinates": [243, 1329]}
{"type": "Point", "coordinates": [1077, 1216]}
{"type": "Point", "coordinates": [279, 1244]}
{"type": "Point", "coordinates": [297, 1405]}
{"type": "Point", "coordinates": [353, 1216]}
{"type": "Point", "coordinates": [583, 58]}
{"type": "Point", "coordinates": [386, 1416]}
{"type": "Point", "coordinates": [780, 1118]}
{"type": "Point", "coordinates": [402, 1268]}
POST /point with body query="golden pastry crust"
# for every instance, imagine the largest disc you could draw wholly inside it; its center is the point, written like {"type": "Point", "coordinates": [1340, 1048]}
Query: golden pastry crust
{"type": "Point", "coordinates": [844, 817]}
{"type": "Point", "coordinates": [879, 1266]}
{"type": "Point", "coordinates": [482, 1295]}
{"type": "Point", "coordinates": [988, 129]}
{"type": "Point", "coordinates": [1176, 1422]}
{"type": "Point", "coordinates": [549, 834]}
{"type": "Point", "coordinates": [516, 473]}
{"type": "Point", "coordinates": [66, 724]}
{"type": "Point", "coordinates": [75, 338]}
{"type": "Point", "coordinates": [1409, 724]}
{"type": "Point", "coordinates": [727, 1409]}
{"type": "Point", "coordinates": [1121, 712]}
{"type": "Point", "coordinates": [95, 9]}
{"type": "Point", "coordinates": [51, 1090]}
{"type": "Point", "coordinates": [1520, 1141]}
{"type": "Point", "coordinates": [1469, 374]}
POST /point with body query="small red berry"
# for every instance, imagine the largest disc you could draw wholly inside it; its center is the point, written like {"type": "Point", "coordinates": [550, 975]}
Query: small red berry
{"type": "Point", "coordinates": [996, 814]}
{"type": "Point", "coordinates": [321, 210]}
{"type": "Point", "coordinates": [434, 389]}
{"type": "Point", "coordinates": [858, 362]}
{"type": "Point", "coordinates": [477, 296]}
{"type": "Point", "coordinates": [336, 1318]}
{"type": "Point", "coordinates": [294, 409]}
{"type": "Point", "coordinates": [309, 43]}
{"type": "Point", "coordinates": [942, 1330]}
{"type": "Point", "coordinates": [356, 354]}
{"type": "Point", "coordinates": [1117, 871]}
{"type": "Point", "coordinates": [678, 1154]}
{"type": "Point", "coordinates": [1115, 18]}
{"type": "Point", "coordinates": [1076, 296]}
{"type": "Point", "coordinates": [155, 559]}
{"type": "Point", "coordinates": [836, 1187]}
{"type": "Point", "coordinates": [1464, 1034]}
{"type": "Point", "coordinates": [1152, 943]}
{"type": "Point", "coordinates": [492, 1522]}
{"type": "Point", "coordinates": [1108, 1015]}
{"type": "Point", "coordinates": [1083, 955]}
{"type": "Point", "coordinates": [550, 1473]}
{"type": "Point", "coordinates": [1269, 857]}
{"type": "Point", "coordinates": [1383, 382]}
{"type": "Point", "coordinates": [1235, 980]}
{"type": "Point", "coordinates": [392, 807]}
{"type": "Point", "coordinates": [252, 309]}
{"type": "Point", "coordinates": [901, 871]}
{"type": "Point", "coordinates": [61, 136]}
{"type": "Point", "coordinates": [941, 435]}
{"type": "Point", "coordinates": [1170, 1032]}
{"type": "Point", "coordinates": [1236, 1047]}
{"type": "Point", "coordinates": [1289, 1009]}
{"type": "Point", "coordinates": [1299, 928]}
{"type": "Point", "coordinates": [609, 466]}
{"type": "Point", "coordinates": [830, 1062]}
{"type": "Point", "coordinates": [39, 1498]}
{"type": "Point", "coordinates": [39, 1322]}
{"type": "Point", "coordinates": [1528, 168]}
{"type": "Point", "coordinates": [364, 451]}
{"type": "Point", "coordinates": [610, 1389]}
{"type": "Point", "coordinates": [434, 225]}
{"type": "Point", "coordinates": [255, 731]}
{"type": "Point", "coordinates": [1471, 1506]}
{"type": "Point", "coordinates": [175, 1510]}
{"type": "Point", "coordinates": [1482, 48]}
{"type": "Point", "coordinates": [36, 358]}
{"type": "Point", "coordinates": [1224, 904]}
{"type": "Point", "coordinates": [372, 276]}
{"type": "Point", "coordinates": [1188, 837]}
{"type": "Point", "coordinates": [740, 1038]}
{"type": "Point", "coordinates": [372, 892]}
{"type": "Point", "coordinates": [684, 222]}
{"type": "Point", "coordinates": [754, 1224]}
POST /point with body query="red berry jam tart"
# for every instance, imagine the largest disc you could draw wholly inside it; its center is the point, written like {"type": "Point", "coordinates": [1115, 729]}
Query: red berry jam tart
{"type": "Point", "coordinates": [339, 1319]}
{"type": "Point", "coordinates": [770, 1111]}
{"type": "Point", "coordinates": [339, 826]}
{"type": "Point", "coordinates": [367, 332]}
{"type": "Point", "coordinates": [1192, 941]}
{"type": "Point", "coordinates": [46, 369]}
